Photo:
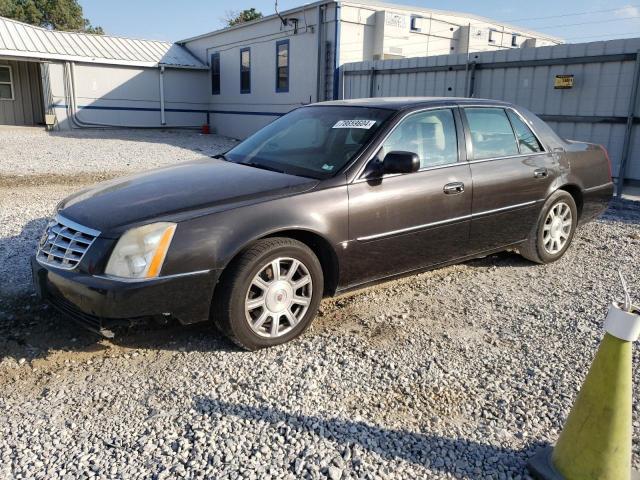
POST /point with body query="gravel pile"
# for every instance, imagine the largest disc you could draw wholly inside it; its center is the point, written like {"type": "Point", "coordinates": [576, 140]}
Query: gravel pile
{"type": "Point", "coordinates": [462, 372]}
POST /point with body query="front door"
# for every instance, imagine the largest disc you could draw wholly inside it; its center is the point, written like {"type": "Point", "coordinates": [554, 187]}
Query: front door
{"type": "Point", "coordinates": [400, 223]}
{"type": "Point", "coordinates": [511, 173]}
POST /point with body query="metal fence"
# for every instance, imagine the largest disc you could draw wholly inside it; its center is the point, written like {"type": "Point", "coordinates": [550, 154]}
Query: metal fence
{"type": "Point", "coordinates": [600, 107]}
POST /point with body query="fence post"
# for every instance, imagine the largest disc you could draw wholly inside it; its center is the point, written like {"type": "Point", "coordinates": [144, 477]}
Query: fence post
{"type": "Point", "coordinates": [626, 148]}
{"type": "Point", "coordinates": [472, 80]}
{"type": "Point", "coordinates": [372, 83]}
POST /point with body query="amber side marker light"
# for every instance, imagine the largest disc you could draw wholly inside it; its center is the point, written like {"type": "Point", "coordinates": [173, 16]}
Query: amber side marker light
{"type": "Point", "coordinates": [161, 252]}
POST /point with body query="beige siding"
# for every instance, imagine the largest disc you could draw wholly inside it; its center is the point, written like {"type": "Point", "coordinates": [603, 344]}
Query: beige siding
{"type": "Point", "coordinates": [26, 106]}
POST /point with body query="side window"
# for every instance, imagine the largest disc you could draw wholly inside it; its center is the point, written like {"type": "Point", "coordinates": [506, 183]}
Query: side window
{"type": "Point", "coordinates": [245, 70]}
{"type": "Point", "coordinates": [431, 135]}
{"type": "Point", "coordinates": [215, 74]}
{"type": "Point", "coordinates": [526, 139]}
{"type": "Point", "coordinates": [6, 84]}
{"type": "Point", "coordinates": [282, 66]}
{"type": "Point", "coordinates": [491, 133]}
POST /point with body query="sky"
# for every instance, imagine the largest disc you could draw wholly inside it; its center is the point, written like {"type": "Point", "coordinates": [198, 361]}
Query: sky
{"type": "Point", "coordinates": [573, 20]}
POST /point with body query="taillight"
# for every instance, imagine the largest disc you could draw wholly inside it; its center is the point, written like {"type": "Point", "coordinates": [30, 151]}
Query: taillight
{"type": "Point", "coordinates": [606, 155]}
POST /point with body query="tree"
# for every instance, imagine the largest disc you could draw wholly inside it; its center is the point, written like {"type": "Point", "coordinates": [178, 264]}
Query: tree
{"type": "Point", "coordinates": [51, 14]}
{"type": "Point", "coordinates": [232, 18]}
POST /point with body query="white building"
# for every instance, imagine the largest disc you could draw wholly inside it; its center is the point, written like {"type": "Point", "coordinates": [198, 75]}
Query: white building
{"type": "Point", "coordinates": [79, 80]}
{"type": "Point", "coordinates": [236, 79]}
{"type": "Point", "coordinates": [264, 68]}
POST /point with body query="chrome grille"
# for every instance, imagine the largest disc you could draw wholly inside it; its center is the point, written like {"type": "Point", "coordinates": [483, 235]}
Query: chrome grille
{"type": "Point", "coordinates": [64, 243]}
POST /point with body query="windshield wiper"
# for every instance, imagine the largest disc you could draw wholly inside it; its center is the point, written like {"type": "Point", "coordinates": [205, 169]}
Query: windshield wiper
{"type": "Point", "coordinates": [263, 167]}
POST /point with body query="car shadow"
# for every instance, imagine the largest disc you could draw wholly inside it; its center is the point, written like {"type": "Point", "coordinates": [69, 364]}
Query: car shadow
{"type": "Point", "coordinates": [622, 211]}
{"type": "Point", "coordinates": [32, 330]}
{"type": "Point", "coordinates": [467, 458]}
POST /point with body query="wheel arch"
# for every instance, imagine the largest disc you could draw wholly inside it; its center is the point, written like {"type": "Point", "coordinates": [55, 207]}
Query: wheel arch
{"type": "Point", "coordinates": [320, 246]}
{"type": "Point", "coordinates": [576, 192]}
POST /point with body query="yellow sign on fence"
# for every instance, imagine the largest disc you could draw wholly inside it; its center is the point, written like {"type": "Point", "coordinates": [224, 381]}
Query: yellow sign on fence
{"type": "Point", "coordinates": [563, 81]}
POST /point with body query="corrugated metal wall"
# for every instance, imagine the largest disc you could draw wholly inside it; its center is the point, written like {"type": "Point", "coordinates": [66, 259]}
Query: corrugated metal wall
{"type": "Point", "coordinates": [26, 107]}
{"type": "Point", "coordinates": [596, 109]}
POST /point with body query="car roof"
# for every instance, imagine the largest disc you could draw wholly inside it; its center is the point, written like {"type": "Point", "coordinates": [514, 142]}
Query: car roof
{"type": "Point", "coordinates": [401, 103]}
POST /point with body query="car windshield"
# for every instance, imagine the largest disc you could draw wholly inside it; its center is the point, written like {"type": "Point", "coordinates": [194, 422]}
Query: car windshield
{"type": "Point", "coordinates": [311, 142]}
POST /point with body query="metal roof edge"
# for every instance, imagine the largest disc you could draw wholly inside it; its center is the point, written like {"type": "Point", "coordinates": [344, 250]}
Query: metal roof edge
{"type": "Point", "coordinates": [37, 56]}
{"type": "Point", "coordinates": [254, 22]}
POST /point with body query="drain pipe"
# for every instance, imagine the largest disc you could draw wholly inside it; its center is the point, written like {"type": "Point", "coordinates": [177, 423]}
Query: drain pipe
{"type": "Point", "coordinates": [319, 34]}
{"type": "Point", "coordinates": [163, 121]}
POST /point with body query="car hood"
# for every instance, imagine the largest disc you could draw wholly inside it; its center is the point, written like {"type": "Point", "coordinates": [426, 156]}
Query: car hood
{"type": "Point", "coordinates": [177, 193]}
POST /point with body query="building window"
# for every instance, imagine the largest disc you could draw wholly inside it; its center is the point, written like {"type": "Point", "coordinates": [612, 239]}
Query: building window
{"type": "Point", "coordinates": [492, 35]}
{"type": "Point", "coordinates": [282, 66]}
{"type": "Point", "coordinates": [245, 70]}
{"type": "Point", "coordinates": [416, 24]}
{"type": "Point", "coordinates": [514, 40]}
{"type": "Point", "coordinates": [215, 74]}
{"type": "Point", "coordinates": [6, 83]}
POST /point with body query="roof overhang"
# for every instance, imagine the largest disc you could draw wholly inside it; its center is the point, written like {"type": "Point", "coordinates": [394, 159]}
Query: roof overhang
{"type": "Point", "coordinates": [38, 57]}
{"type": "Point", "coordinates": [284, 13]}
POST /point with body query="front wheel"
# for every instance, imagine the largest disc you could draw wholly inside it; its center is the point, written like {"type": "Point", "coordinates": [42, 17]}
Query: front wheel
{"type": "Point", "coordinates": [270, 294]}
{"type": "Point", "coordinates": [551, 236]}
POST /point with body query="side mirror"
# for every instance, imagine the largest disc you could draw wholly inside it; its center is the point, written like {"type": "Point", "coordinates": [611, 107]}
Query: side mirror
{"type": "Point", "coordinates": [400, 162]}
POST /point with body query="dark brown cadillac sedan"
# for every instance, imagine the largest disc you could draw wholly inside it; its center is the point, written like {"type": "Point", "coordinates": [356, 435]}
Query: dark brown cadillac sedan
{"type": "Point", "coordinates": [327, 198]}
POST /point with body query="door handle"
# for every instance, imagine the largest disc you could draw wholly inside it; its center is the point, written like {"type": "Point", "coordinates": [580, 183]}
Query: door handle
{"type": "Point", "coordinates": [453, 188]}
{"type": "Point", "coordinates": [540, 173]}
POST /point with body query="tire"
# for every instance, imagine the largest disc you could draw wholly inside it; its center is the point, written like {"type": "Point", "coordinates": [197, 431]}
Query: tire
{"type": "Point", "coordinates": [251, 297]}
{"type": "Point", "coordinates": [542, 246]}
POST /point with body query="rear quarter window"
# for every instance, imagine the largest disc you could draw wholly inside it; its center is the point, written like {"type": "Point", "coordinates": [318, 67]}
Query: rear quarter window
{"type": "Point", "coordinates": [526, 138]}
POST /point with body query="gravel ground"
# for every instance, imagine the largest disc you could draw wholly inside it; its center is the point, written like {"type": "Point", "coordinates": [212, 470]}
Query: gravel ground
{"type": "Point", "coordinates": [34, 152]}
{"type": "Point", "coordinates": [462, 372]}
{"type": "Point", "coordinates": [38, 169]}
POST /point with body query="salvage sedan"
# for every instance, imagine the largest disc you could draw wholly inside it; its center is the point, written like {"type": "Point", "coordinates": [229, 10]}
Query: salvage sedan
{"type": "Point", "coordinates": [327, 198]}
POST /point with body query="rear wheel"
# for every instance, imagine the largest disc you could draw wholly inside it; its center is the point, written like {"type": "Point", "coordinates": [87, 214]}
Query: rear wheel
{"type": "Point", "coordinates": [551, 236]}
{"type": "Point", "coordinates": [270, 294]}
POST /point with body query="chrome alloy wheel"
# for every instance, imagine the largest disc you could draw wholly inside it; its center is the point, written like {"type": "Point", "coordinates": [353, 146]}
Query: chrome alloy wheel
{"type": "Point", "coordinates": [278, 297]}
{"type": "Point", "coordinates": [557, 228]}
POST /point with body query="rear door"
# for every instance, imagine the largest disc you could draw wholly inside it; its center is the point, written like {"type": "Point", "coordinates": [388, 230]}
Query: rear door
{"type": "Point", "coordinates": [400, 223]}
{"type": "Point", "coordinates": [512, 173]}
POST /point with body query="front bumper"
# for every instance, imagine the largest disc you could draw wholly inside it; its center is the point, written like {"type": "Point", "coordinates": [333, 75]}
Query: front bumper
{"type": "Point", "coordinates": [99, 302]}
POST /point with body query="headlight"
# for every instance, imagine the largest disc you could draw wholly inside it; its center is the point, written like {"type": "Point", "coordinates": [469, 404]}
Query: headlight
{"type": "Point", "coordinates": [140, 251]}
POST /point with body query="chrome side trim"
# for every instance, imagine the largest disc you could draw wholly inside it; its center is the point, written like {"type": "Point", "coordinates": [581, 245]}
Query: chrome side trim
{"type": "Point", "coordinates": [503, 209]}
{"type": "Point", "coordinates": [445, 222]}
{"type": "Point", "coordinates": [520, 155]}
{"type": "Point", "coordinates": [144, 280]}
{"type": "Point", "coordinates": [411, 229]}
{"type": "Point", "coordinates": [598, 187]}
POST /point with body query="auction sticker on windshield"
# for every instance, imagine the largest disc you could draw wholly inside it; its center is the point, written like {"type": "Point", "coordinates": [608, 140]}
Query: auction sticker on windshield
{"type": "Point", "coordinates": [364, 124]}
